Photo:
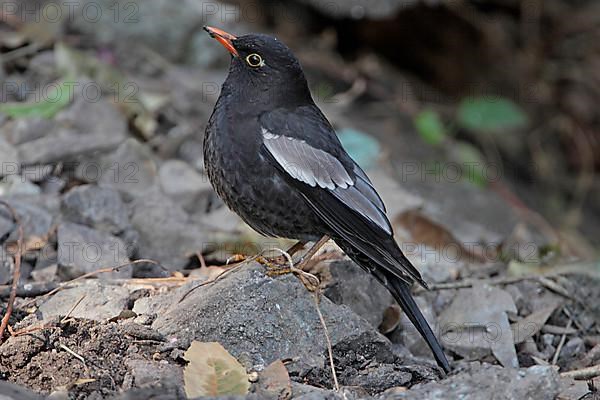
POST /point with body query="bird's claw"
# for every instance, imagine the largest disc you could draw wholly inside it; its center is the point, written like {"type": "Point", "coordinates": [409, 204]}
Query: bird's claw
{"type": "Point", "coordinates": [236, 258]}
{"type": "Point", "coordinates": [274, 266]}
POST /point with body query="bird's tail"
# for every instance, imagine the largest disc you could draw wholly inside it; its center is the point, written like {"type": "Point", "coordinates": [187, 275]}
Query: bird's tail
{"type": "Point", "coordinates": [400, 290]}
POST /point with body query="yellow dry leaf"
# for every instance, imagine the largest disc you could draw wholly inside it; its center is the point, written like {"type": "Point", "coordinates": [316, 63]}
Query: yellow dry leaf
{"type": "Point", "coordinates": [212, 371]}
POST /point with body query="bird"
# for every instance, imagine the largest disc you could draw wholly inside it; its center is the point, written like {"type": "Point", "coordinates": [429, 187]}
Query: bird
{"type": "Point", "coordinates": [276, 161]}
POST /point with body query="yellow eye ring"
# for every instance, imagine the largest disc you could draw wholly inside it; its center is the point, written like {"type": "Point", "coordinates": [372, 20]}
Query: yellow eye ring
{"type": "Point", "coordinates": [254, 60]}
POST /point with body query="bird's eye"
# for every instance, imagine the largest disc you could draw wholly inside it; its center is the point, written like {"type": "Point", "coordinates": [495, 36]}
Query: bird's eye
{"type": "Point", "coordinates": [254, 60]}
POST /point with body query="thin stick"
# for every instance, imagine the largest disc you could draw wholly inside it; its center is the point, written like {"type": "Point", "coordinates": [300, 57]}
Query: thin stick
{"type": "Point", "coordinates": [582, 374]}
{"type": "Point", "coordinates": [68, 350]}
{"type": "Point", "coordinates": [329, 347]}
{"type": "Point", "coordinates": [90, 274]}
{"type": "Point", "coordinates": [73, 308]}
{"type": "Point", "coordinates": [561, 343]}
{"type": "Point", "coordinates": [16, 272]}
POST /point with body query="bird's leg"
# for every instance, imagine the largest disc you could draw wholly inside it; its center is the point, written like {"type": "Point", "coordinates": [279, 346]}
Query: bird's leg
{"type": "Point", "coordinates": [311, 252]}
{"type": "Point", "coordinates": [281, 265]}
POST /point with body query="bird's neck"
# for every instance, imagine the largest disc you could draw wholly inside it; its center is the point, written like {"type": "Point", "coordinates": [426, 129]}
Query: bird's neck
{"type": "Point", "coordinates": [254, 99]}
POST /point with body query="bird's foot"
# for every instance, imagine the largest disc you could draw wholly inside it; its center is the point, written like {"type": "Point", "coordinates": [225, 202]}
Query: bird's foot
{"type": "Point", "coordinates": [275, 267]}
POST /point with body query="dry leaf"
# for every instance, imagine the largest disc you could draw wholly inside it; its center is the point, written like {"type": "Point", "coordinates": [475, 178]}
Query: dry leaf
{"type": "Point", "coordinates": [424, 230]}
{"type": "Point", "coordinates": [212, 371]}
{"type": "Point", "coordinates": [274, 382]}
{"type": "Point", "coordinates": [532, 324]}
{"type": "Point", "coordinates": [391, 318]}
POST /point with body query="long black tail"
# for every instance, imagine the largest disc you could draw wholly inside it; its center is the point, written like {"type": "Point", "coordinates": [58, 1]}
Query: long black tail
{"type": "Point", "coordinates": [400, 290]}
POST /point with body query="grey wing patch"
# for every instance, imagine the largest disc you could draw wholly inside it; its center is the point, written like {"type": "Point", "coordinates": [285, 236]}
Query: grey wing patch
{"type": "Point", "coordinates": [312, 166]}
{"type": "Point", "coordinates": [316, 167]}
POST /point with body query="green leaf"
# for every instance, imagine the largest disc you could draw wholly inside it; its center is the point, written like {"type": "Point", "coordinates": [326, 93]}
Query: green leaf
{"type": "Point", "coordinates": [430, 127]}
{"type": "Point", "coordinates": [213, 372]}
{"type": "Point", "coordinates": [490, 115]}
{"type": "Point", "coordinates": [362, 147]}
{"type": "Point", "coordinates": [473, 163]}
{"type": "Point", "coordinates": [54, 99]}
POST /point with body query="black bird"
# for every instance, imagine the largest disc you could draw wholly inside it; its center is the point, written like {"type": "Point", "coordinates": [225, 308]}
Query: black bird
{"type": "Point", "coordinates": [276, 161]}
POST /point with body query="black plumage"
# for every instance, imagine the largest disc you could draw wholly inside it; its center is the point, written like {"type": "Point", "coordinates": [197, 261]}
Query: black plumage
{"type": "Point", "coordinates": [276, 161]}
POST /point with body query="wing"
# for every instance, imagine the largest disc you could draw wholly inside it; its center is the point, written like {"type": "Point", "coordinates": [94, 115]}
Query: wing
{"type": "Point", "coordinates": [304, 148]}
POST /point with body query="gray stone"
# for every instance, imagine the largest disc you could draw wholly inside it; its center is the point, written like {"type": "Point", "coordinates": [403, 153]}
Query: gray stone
{"type": "Point", "coordinates": [82, 249]}
{"type": "Point", "coordinates": [99, 301]}
{"type": "Point", "coordinates": [64, 145]}
{"type": "Point", "coordinates": [6, 225]}
{"type": "Point", "coordinates": [152, 373]}
{"type": "Point", "coordinates": [380, 378]}
{"type": "Point", "coordinates": [97, 207]}
{"type": "Point", "coordinates": [166, 234]}
{"type": "Point", "coordinates": [131, 169]}
{"type": "Point", "coordinates": [484, 381]}
{"type": "Point", "coordinates": [36, 220]}
{"type": "Point", "coordinates": [184, 185]}
{"type": "Point", "coordinates": [21, 130]}
{"type": "Point", "coordinates": [87, 126]}
{"type": "Point", "coordinates": [92, 116]}
{"type": "Point", "coordinates": [178, 37]}
{"type": "Point", "coordinates": [6, 267]}
{"type": "Point", "coordinates": [357, 289]}
{"type": "Point", "coordinates": [259, 320]}
{"type": "Point", "coordinates": [9, 158]}
{"type": "Point", "coordinates": [17, 185]}
{"type": "Point", "coordinates": [11, 391]}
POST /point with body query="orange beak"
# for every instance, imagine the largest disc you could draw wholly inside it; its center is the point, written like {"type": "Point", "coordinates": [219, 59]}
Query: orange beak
{"type": "Point", "coordinates": [222, 37]}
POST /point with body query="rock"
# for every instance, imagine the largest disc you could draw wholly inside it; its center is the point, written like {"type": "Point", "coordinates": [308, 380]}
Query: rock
{"type": "Point", "coordinates": [181, 37]}
{"type": "Point", "coordinates": [573, 348]}
{"type": "Point", "coordinates": [131, 169]}
{"type": "Point", "coordinates": [9, 159]}
{"type": "Point", "coordinates": [35, 219]}
{"type": "Point", "coordinates": [484, 381]}
{"type": "Point", "coordinates": [380, 378]}
{"type": "Point", "coordinates": [17, 185]}
{"type": "Point", "coordinates": [82, 249]}
{"type": "Point", "coordinates": [98, 207]}
{"type": "Point", "coordinates": [10, 391]}
{"type": "Point", "coordinates": [87, 126]}
{"type": "Point", "coordinates": [152, 373]}
{"type": "Point", "coordinates": [476, 323]}
{"type": "Point", "coordinates": [166, 234]}
{"type": "Point", "coordinates": [6, 267]}
{"type": "Point", "coordinates": [259, 320]}
{"type": "Point", "coordinates": [185, 186]}
{"type": "Point", "coordinates": [64, 145]}
{"type": "Point", "coordinates": [358, 290]}
{"type": "Point", "coordinates": [93, 116]}
{"type": "Point", "coordinates": [21, 130]}
{"type": "Point", "coordinates": [100, 301]}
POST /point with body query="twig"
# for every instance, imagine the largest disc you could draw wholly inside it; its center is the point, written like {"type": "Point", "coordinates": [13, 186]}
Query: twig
{"type": "Point", "coordinates": [582, 374]}
{"type": "Point", "coordinates": [581, 268]}
{"type": "Point", "coordinates": [329, 347]}
{"type": "Point", "coordinates": [16, 272]}
{"type": "Point", "coordinates": [73, 308]}
{"type": "Point", "coordinates": [563, 338]}
{"type": "Point", "coordinates": [68, 350]}
{"type": "Point", "coordinates": [90, 274]}
{"type": "Point", "coordinates": [211, 281]}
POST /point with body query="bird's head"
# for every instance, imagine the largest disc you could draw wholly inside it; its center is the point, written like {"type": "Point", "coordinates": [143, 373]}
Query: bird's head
{"type": "Point", "coordinates": [263, 69]}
